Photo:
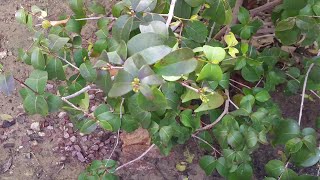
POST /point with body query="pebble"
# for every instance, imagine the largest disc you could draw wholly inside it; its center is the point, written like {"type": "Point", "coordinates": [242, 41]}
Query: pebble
{"type": "Point", "coordinates": [20, 108]}
{"type": "Point", "coordinates": [28, 155]}
{"type": "Point", "coordinates": [101, 144]}
{"type": "Point", "coordinates": [29, 132]}
{"type": "Point", "coordinates": [84, 138]}
{"type": "Point", "coordinates": [91, 96]}
{"type": "Point", "coordinates": [77, 148]}
{"type": "Point", "coordinates": [73, 139]}
{"type": "Point", "coordinates": [3, 54]}
{"type": "Point", "coordinates": [34, 143]}
{"type": "Point", "coordinates": [70, 124]}
{"type": "Point", "coordinates": [68, 148]}
{"type": "Point", "coordinates": [50, 127]}
{"type": "Point", "coordinates": [49, 87]}
{"type": "Point", "coordinates": [41, 134]}
{"type": "Point", "coordinates": [85, 148]}
{"type": "Point", "coordinates": [80, 157]}
{"type": "Point", "coordinates": [8, 145]}
{"type": "Point", "coordinates": [35, 126]}
{"type": "Point", "coordinates": [66, 135]}
{"type": "Point", "coordinates": [95, 147]}
{"type": "Point", "coordinates": [63, 158]}
{"type": "Point", "coordinates": [7, 124]}
{"type": "Point", "coordinates": [91, 156]}
{"type": "Point", "coordinates": [62, 114]}
{"type": "Point", "coordinates": [93, 108]}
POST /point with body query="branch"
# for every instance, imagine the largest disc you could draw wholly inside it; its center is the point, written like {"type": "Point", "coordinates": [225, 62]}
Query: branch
{"type": "Point", "coordinates": [235, 12]}
{"type": "Point", "coordinates": [225, 111]}
{"type": "Point", "coordinates": [137, 159]}
{"type": "Point", "coordinates": [240, 83]}
{"type": "Point", "coordinates": [266, 6]}
{"type": "Point", "coordinates": [85, 89]}
{"type": "Point", "coordinates": [170, 14]}
{"type": "Point", "coordinates": [66, 61]}
{"type": "Point", "coordinates": [206, 142]}
{"type": "Point", "coordinates": [304, 92]}
{"type": "Point", "coordinates": [312, 91]}
{"type": "Point", "coordinates": [189, 87]}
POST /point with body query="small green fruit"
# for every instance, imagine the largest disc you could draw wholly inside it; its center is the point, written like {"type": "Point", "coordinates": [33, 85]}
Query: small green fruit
{"type": "Point", "coordinates": [46, 24]}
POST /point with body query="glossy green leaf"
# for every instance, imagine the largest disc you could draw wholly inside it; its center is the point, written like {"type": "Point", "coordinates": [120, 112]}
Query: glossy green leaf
{"type": "Point", "coordinates": [250, 74]}
{"type": "Point", "coordinates": [244, 171]}
{"type": "Point", "coordinates": [235, 139]}
{"type": "Point", "coordinates": [129, 124]}
{"type": "Point", "coordinates": [97, 8]}
{"type": "Point", "coordinates": [158, 101]}
{"type": "Point", "coordinates": [286, 130]}
{"type": "Point", "coordinates": [305, 158]}
{"type": "Point", "coordinates": [157, 27]}
{"type": "Point", "coordinates": [88, 126]}
{"type": "Point", "coordinates": [215, 101]}
{"type": "Point", "coordinates": [55, 69]}
{"type": "Point", "coordinates": [54, 103]}
{"type": "Point", "coordinates": [182, 9]}
{"type": "Point", "coordinates": [262, 96]}
{"type": "Point", "coordinates": [122, 84]}
{"type": "Point", "coordinates": [37, 81]}
{"type": "Point", "coordinates": [165, 134]}
{"type": "Point", "coordinates": [177, 63]}
{"type": "Point", "coordinates": [37, 59]}
{"type": "Point", "coordinates": [154, 54]}
{"type": "Point", "coordinates": [143, 5]}
{"type": "Point", "coordinates": [310, 141]}
{"type": "Point", "coordinates": [77, 6]}
{"type": "Point", "coordinates": [74, 26]}
{"type": "Point", "coordinates": [208, 164]}
{"type": "Point", "coordinates": [214, 54]}
{"type": "Point", "coordinates": [217, 12]}
{"type": "Point", "coordinates": [87, 72]}
{"type": "Point", "coordinates": [143, 41]}
{"type": "Point", "coordinates": [104, 81]}
{"type": "Point", "coordinates": [251, 138]}
{"type": "Point", "coordinates": [243, 15]}
{"type": "Point", "coordinates": [35, 104]}
{"type": "Point", "coordinates": [197, 31]}
{"type": "Point", "coordinates": [274, 168]}
{"type": "Point", "coordinates": [194, 3]}
{"type": "Point", "coordinates": [122, 28]}
{"type": "Point", "coordinates": [57, 42]}
{"type": "Point", "coordinates": [210, 72]}
{"type": "Point", "coordinates": [189, 95]}
{"type": "Point", "coordinates": [293, 145]}
{"type": "Point", "coordinates": [21, 16]}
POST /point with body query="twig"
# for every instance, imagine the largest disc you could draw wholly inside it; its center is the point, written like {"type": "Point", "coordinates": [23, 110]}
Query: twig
{"type": "Point", "coordinates": [233, 104]}
{"type": "Point", "coordinates": [264, 7]}
{"type": "Point", "coordinates": [206, 142]}
{"type": "Point", "coordinates": [312, 91]}
{"type": "Point", "coordinates": [72, 105]}
{"type": "Point", "coordinates": [240, 83]}
{"type": "Point", "coordinates": [94, 18]}
{"type": "Point", "coordinates": [189, 87]}
{"type": "Point", "coordinates": [286, 166]}
{"type": "Point", "coordinates": [137, 159]}
{"type": "Point", "coordinates": [85, 89]}
{"type": "Point", "coordinates": [225, 111]}
{"type": "Point", "coordinates": [66, 61]}
{"type": "Point", "coordinates": [304, 92]}
{"type": "Point", "coordinates": [211, 31]}
{"type": "Point", "coordinates": [171, 11]}
{"type": "Point", "coordinates": [24, 84]}
{"type": "Point", "coordinates": [118, 133]}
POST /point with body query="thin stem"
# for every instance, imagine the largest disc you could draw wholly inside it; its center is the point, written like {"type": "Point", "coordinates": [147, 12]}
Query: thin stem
{"type": "Point", "coordinates": [85, 89]}
{"type": "Point", "coordinates": [312, 91]}
{"type": "Point", "coordinates": [137, 159]}
{"type": "Point", "coordinates": [189, 87]}
{"type": "Point", "coordinates": [66, 61]}
{"type": "Point", "coordinates": [170, 14]}
{"type": "Point", "coordinates": [211, 31]}
{"type": "Point", "coordinates": [240, 83]}
{"type": "Point", "coordinates": [93, 18]}
{"type": "Point", "coordinates": [225, 111]}
{"type": "Point", "coordinates": [304, 92]}
{"type": "Point", "coordinates": [206, 142]}
{"type": "Point", "coordinates": [266, 6]}
{"type": "Point", "coordinates": [24, 84]}
{"type": "Point", "coordinates": [72, 105]}
{"type": "Point", "coordinates": [118, 133]}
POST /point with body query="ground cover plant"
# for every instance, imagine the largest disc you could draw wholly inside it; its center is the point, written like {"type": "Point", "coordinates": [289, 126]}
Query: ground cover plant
{"type": "Point", "coordinates": [180, 69]}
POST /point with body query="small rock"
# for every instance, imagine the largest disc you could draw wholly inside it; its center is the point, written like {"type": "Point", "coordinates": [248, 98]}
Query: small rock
{"type": "Point", "coordinates": [93, 108]}
{"type": "Point", "coordinates": [55, 149]}
{"type": "Point", "coordinates": [62, 115]}
{"type": "Point", "coordinates": [74, 153]}
{"type": "Point", "coordinates": [70, 131]}
{"type": "Point", "coordinates": [73, 139]}
{"type": "Point", "coordinates": [91, 96]}
{"type": "Point", "coordinates": [41, 134]}
{"type": "Point", "coordinates": [77, 148]}
{"type": "Point", "coordinates": [63, 158]}
{"type": "Point", "coordinates": [91, 156]}
{"type": "Point", "coordinates": [20, 108]}
{"type": "Point", "coordinates": [50, 127]}
{"type": "Point", "coordinates": [85, 148]}
{"type": "Point", "coordinates": [95, 147]}
{"type": "Point", "coordinates": [68, 148]}
{"type": "Point", "coordinates": [84, 138]}
{"type": "Point", "coordinates": [8, 145]}
{"type": "Point", "coordinates": [80, 157]}
{"type": "Point", "coordinates": [35, 126]}
{"type": "Point", "coordinates": [69, 143]}
{"type": "Point", "coordinates": [7, 124]}
{"type": "Point", "coordinates": [34, 143]}
{"type": "Point", "coordinates": [101, 144]}
{"type": "Point", "coordinates": [66, 135]}
{"type": "Point", "coordinates": [28, 155]}
{"type": "Point", "coordinates": [49, 87]}
{"type": "Point", "coordinates": [9, 53]}
{"type": "Point", "coordinates": [3, 54]}
{"type": "Point", "coordinates": [103, 151]}
{"type": "Point", "coordinates": [29, 132]}
{"type": "Point", "coordinates": [70, 124]}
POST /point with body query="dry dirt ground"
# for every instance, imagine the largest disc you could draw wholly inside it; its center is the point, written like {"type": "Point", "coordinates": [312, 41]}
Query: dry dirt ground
{"type": "Point", "coordinates": [27, 154]}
